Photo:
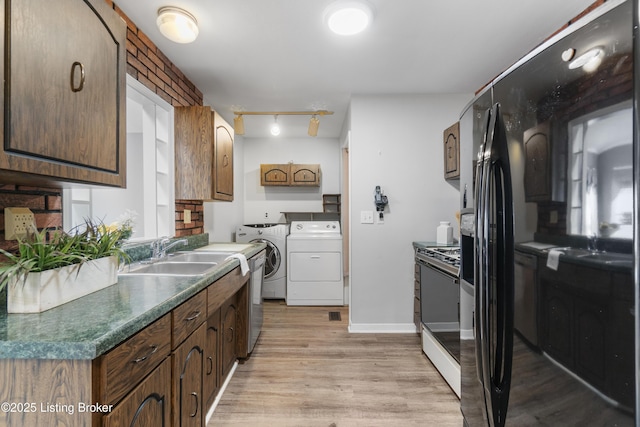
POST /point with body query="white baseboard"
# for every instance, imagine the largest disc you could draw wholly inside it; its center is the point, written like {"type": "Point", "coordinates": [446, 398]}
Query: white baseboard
{"type": "Point", "coordinates": [383, 328]}
{"type": "Point", "coordinates": [220, 393]}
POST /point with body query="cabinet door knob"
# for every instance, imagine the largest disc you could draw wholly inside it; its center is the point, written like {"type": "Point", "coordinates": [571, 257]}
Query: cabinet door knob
{"type": "Point", "coordinates": [210, 359]}
{"type": "Point", "coordinates": [230, 335]}
{"type": "Point", "coordinates": [77, 66]}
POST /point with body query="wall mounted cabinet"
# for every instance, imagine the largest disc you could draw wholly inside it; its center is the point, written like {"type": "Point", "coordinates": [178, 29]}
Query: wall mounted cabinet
{"type": "Point", "coordinates": [451, 138]}
{"type": "Point", "coordinates": [203, 155]}
{"type": "Point", "coordinates": [64, 101]}
{"type": "Point", "coordinates": [290, 174]}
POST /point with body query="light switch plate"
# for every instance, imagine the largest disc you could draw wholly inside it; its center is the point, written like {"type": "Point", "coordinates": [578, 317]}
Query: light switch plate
{"type": "Point", "coordinates": [18, 222]}
{"type": "Point", "coordinates": [366, 217]}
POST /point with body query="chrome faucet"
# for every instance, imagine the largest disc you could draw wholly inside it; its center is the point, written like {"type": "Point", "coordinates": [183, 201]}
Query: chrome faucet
{"type": "Point", "coordinates": [162, 245]}
{"type": "Point", "coordinates": [592, 243]}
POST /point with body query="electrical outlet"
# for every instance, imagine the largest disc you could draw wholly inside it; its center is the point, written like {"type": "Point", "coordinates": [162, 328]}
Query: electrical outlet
{"type": "Point", "coordinates": [18, 222]}
{"type": "Point", "coordinates": [187, 216]}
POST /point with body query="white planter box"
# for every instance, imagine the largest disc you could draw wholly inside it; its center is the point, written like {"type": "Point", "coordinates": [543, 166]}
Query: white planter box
{"type": "Point", "coordinates": [51, 288]}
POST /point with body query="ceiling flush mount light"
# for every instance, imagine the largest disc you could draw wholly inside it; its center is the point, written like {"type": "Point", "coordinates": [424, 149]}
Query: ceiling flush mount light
{"type": "Point", "coordinates": [177, 24]}
{"type": "Point", "coordinates": [588, 61]}
{"type": "Point", "coordinates": [275, 127]}
{"type": "Point", "coordinates": [314, 122]}
{"type": "Point", "coordinates": [348, 17]}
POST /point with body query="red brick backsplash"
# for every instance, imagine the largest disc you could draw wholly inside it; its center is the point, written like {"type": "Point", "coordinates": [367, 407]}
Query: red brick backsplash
{"type": "Point", "coordinates": [196, 226]}
{"type": "Point", "coordinates": [45, 203]}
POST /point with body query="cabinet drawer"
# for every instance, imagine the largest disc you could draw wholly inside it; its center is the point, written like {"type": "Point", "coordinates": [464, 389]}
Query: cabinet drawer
{"type": "Point", "coordinates": [128, 363]}
{"type": "Point", "coordinates": [188, 316]}
{"type": "Point", "coordinates": [224, 288]}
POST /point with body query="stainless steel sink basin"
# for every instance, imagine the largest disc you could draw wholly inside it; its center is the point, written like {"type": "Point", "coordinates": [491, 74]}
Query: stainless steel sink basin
{"type": "Point", "coordinates": [206, 257]}
{"type": "Point", "coordinates": [169, 268]}
{"type": "Point", "coordinates": [604, 257]}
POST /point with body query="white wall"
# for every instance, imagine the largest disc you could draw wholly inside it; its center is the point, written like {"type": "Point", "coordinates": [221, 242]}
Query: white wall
{"type": "Point", "coordinates": [265, 204]}
{"type": "Point", "coordinates": [396, 142]}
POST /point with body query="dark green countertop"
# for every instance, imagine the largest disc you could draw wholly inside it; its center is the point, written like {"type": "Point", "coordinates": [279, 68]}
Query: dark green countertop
{"type": "Point", "coordinates": [92, 325]}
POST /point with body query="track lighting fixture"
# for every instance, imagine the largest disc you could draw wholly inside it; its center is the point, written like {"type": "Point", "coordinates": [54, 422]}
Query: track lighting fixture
{"type": "Point", "coordinates": [275, 127]}
{"type": "Point", "coordinates": [238, 125]}
{"type": "Point", "coordinates": [314, 122]}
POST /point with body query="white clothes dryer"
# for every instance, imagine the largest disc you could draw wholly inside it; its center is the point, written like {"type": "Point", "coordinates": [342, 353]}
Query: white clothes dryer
{"type": "Point", "coordinates": [275, 268]}
{"type": "Point", "coordinates": [314, 263]}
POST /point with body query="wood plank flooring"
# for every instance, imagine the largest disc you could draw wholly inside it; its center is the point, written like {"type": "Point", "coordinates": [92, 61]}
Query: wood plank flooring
{"type": "Point", "coordinates": [309, 371]}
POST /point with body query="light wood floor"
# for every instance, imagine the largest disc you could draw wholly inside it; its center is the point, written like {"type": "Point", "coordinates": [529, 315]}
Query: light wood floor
{"type": "Point", "coordinates": [308, 371]}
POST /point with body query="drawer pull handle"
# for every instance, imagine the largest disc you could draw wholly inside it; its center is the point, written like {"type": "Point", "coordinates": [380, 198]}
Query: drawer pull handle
{"type": "Point", "coordinates": [154, 349]}
{"type": "Point", "coordinates": [195, 315]}
{"type": "Point", "coordinates": [77, 65]}
{"type": "Point", "coordinates": [194, 394]}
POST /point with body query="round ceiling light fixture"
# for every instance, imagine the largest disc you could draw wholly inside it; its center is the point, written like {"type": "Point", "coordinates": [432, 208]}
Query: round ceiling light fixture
{"type": "Point", "coordinates": [348, 17]}
{"type": "Point", "coordinates": [177, 24]}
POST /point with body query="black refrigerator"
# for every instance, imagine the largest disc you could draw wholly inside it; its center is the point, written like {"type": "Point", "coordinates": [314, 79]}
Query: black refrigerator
{"type": "Point", "coordinates": [552, 178]}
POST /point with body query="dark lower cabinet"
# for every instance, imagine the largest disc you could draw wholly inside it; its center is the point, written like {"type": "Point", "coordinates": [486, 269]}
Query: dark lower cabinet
{"type": "Point", "coordinates": [229, 336]}
{"type": "Point", "coordinates": [188, 368]}
{"type": "Point", "coordinates": [557, 327]}
{"type": "Point", "coordinates": [212, 359]}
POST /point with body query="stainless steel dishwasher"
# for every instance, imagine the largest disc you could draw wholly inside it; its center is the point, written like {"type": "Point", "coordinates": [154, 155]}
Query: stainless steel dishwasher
{"type": "Point", "coordinates": [255, 310]}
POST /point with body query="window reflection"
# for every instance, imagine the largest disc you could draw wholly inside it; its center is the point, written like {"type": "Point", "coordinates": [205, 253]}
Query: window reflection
{"type": "Point", "coordinates": [600, 193]}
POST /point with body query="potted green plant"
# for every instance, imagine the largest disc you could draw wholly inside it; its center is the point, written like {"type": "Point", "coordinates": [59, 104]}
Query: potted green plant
{"type": "Point", "coordinates": [51, 268]}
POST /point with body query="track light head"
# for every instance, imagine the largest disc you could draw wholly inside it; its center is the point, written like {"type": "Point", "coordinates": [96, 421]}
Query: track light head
{"type": "Point", "coordinates": [238, 125]}
{"type": "Point", "coordinates": [314, 122]}
{"type": "Point", "coordinates": [275, 127]}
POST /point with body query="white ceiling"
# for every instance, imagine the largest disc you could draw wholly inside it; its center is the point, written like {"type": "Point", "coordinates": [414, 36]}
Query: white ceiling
{"type": "Point", "coordinates": [266, 55]}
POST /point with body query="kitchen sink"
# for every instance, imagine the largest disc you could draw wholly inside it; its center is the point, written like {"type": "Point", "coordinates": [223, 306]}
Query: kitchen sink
{"type": "Point", "coordinates": [613, 258]}
{"type": "Point", "coordinates": [206, 257]}
{"type": "Point", "coordinates": [170, 268]}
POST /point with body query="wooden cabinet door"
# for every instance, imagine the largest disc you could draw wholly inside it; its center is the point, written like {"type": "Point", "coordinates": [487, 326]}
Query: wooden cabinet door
{"type": "Point", "coordinates": [274, 174]}
{"type": "Point", "coordinates": [305, 175]}
{"type": "Point", "coordinates": [211, 359]}
{"type": "Point", "coordinates": [229, 336]}
{"type": "Point", "coordinates": [149, 404]}
{"type": "Point", "coordinates": [222, 159]}
{"type": "Point", "coordinates": [188, 368]}
{"type": "Point", "coordinates": [537, 174]}
{"type": "Point", "coordinates": [452, 152]}
{"type": "Point", "coordinates": [65, 91]}
{"type": "Point", "coordinates": [193, 152]}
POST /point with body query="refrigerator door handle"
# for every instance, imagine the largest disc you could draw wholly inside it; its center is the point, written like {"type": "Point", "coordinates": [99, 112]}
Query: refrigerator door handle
{"type": "Point", "coordinates": [497, 292]}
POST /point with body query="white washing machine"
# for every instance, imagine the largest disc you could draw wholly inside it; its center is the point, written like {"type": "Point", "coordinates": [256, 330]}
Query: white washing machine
{"type": "Point", "coordinates": [275, 268]}
{"type": "Point", "coordinates": [314, 263]}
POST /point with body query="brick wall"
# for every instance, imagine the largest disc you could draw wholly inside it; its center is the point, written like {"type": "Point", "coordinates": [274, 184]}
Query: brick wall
{"type": "Point", "coordinates": [45, 203]}
{"type": "Point", "coordinates": [196, 226]}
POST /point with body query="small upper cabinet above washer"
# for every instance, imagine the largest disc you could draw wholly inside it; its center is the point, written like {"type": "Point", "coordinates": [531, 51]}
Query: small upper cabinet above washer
{"type": "Point", "coordinates": [290, 174]}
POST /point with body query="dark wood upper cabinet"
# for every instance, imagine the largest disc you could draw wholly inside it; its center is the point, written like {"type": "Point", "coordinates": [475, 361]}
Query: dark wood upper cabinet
{"type": "Point", "coordinates": [537, 175]}
{"type": "Point", "coordinates": [204, 154]}
{"type": "Point", "coordinates": [64, 105]}
{"type": "Point", "coordinates": [451, 138]}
